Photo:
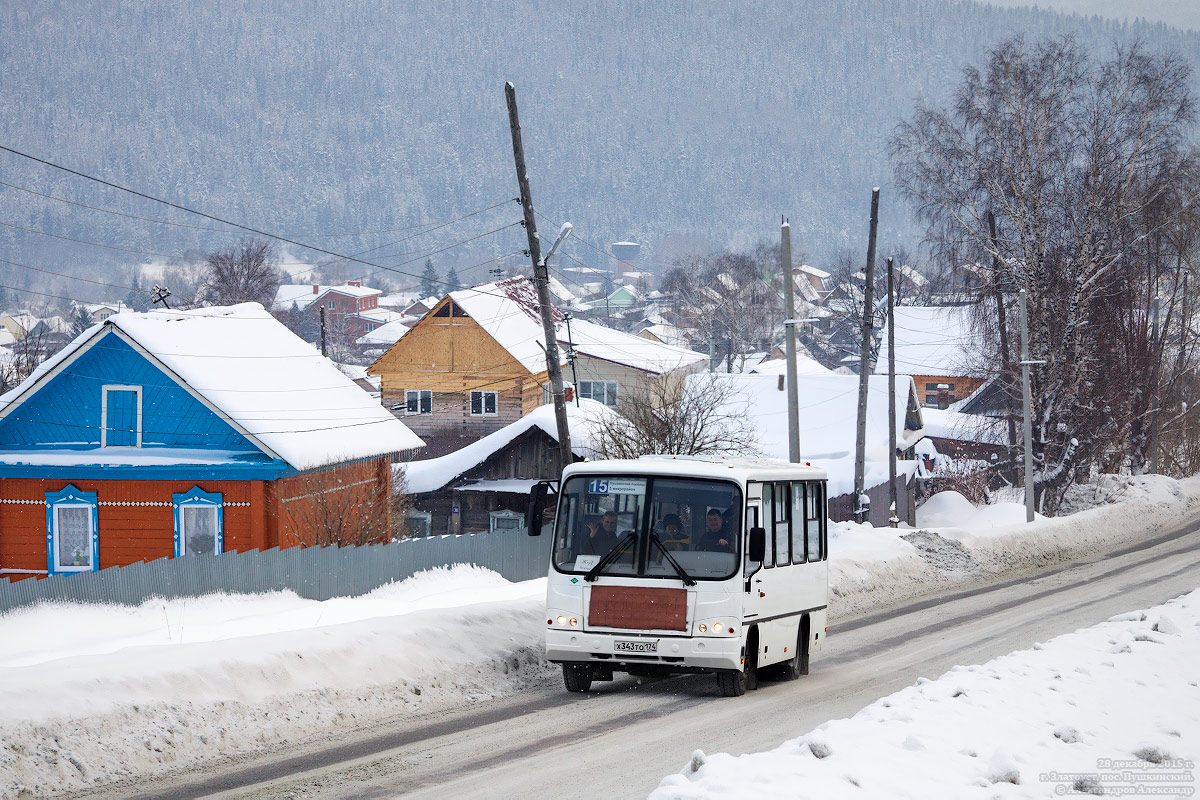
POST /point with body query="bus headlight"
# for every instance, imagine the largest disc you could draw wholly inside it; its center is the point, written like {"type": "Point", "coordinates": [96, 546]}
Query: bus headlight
{"type": "Point", "coordinates": [562, 620]}
{"type": "Point", "coordinates": [703, 628]}
{"type": "Point", "coordinates": [717, 627]}
{"type": "Point", "coordinates": [574, 622]}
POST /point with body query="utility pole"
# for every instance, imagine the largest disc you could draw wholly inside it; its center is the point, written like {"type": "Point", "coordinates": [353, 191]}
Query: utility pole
{"type": "Point", "coordinates": [1154, 311]}
{"type": "Point", "coordinates": [789, 298]}
{"type": "Point", "coordinates": [571, 357]}
{"type": "Point", "coordinates": [323, 348]}
{"type": "Point", "coordinates": [998, 271]}
{"type": "Point", "coordinates": [1026, 402]}
{"type": "Point", "coordinates": [860, 449]}
{"type": "Point", "coordinates": [893, 520]}
{"type": "Point", "coordinates": [541, 279]}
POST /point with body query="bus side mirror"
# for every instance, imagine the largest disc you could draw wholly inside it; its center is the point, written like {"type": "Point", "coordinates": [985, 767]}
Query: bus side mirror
{"type": "Point", "coordinates": [537, 506]}
{"type": "Point", "coordinates": [756, 549]}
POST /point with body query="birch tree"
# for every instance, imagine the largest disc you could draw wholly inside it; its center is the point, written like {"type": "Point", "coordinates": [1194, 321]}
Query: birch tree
{"type": "Point", "coordinates": [1077, 161]}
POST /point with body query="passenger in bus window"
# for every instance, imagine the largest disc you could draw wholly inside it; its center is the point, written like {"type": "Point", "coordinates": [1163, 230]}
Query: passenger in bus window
{"type": "Point", "coordinates": [716, 537]}
{"type": "Point", "coordinates": [602, 539]}
{"type": "Point", "coordinates": [673, 536]}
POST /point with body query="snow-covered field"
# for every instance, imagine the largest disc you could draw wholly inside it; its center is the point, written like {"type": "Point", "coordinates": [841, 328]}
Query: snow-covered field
{"type": "Point", "coordinates": [90, 694]}
{"type": "Point", "coordinates": [1108, 710]}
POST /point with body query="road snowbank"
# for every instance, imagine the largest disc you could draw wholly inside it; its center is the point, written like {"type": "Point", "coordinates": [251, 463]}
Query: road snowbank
{"type": "Point", "coordinates": [955, 542]}
{"type": "Point", "coordinates": [1112, 709]}
{"type": "Point", "coordinates": [92, 694]}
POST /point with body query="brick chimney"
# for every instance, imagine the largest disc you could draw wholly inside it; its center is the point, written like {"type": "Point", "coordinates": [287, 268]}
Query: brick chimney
{"type": "Point", "coordinates": [354, 283]}
{"type": "Point", "coordinates": [316, 288]}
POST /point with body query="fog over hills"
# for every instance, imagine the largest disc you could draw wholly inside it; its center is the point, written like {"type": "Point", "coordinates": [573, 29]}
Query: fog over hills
{"type": "Point", "coordinates": [677, 124]}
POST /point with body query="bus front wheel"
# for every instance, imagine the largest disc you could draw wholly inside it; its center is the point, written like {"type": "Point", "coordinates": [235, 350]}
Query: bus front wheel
{"type": "Point", "coordinates": [735, 683]}
{"type": "Point", "coordinates": [577, 677]}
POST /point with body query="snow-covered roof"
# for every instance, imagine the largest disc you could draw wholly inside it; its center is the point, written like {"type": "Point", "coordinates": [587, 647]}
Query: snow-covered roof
{"type": "Point", "coordinates": [288, 398]}
{"type": "Point", "coordinates": [811, 270]}
{"type": "Point", "coordinates": [778, 366]}
{"type": "Point", "coordinates": [432, 474]}
{"type": "Point", "coordinates": [396, 300]}
{"type": "Point", "coordinates": [291, 293]}
{"type": "Point", "coordinates": [351, 290]}
{"type": "Point", "coordinates": [302, 295]}
{"type": "Point", "coordinates": [932, 340]}
{"type": "Point", "coordinates": [508, 312]}
{"type": "Point", "coordinates": [387, 334]}
{"type": "Point", "coordinates": [944, 423]}
{"type": "Point", "coordinates": [828, 418]}
{"type": "Point", "coordinates": [380, 315]}
{"type": "Point", "coordinates": [666, 333]}
{"type": "Point", "coordinates": [597, 341]}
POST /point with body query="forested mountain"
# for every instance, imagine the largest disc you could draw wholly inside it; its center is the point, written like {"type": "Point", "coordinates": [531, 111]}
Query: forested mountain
{"type": "Point", "coordinates": [678, 124]}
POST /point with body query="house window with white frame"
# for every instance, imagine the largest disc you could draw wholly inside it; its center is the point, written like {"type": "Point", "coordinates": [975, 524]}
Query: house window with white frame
{"type": "Point", "coordinates": [483, 404]}
{"type": "Point", "coordinates": [505, 521]}
{"type": "Point", "coordinates": [121, 416]}
{"type": "Point", "coordinates": [600, 391]}
{"type": "Point", "coordinates": [71, 535]}
{"type": "Point", "coordinates": [418, 401]}
{"type": "Point", "coordinates": [199, 523]}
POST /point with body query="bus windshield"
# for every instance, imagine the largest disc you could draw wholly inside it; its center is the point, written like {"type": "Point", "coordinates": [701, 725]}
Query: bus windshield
{"type": "Point", "coordinates": [650, 527]}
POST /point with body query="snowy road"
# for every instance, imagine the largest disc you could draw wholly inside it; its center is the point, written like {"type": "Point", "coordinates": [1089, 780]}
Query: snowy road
{"type": "Point", "coordinates": [620, 740]}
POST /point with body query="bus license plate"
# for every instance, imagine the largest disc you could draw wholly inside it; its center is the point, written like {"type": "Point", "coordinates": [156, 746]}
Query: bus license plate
{"type": "Point", "coordinates": [635, 647]}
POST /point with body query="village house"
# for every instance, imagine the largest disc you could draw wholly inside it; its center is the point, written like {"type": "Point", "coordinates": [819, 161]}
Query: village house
{"type": "Point", "coordinates": [828, 431]}
{"type": "Point", "coordinates": [477, 362]}
{"type": "Point", "coordinates": [351, 309]}
{"type": "Point", "coordinates": [176, 433]}
{"type": "Point", "coordinates": [937, 346]}
{"type": "Point", "coordinates": [485, 485]}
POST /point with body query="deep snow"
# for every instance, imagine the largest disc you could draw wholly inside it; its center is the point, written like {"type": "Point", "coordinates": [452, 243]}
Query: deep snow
{"type": "Point", "coordinates": [90, 694]}
{"type": "Point", "coordinates": [1109, 710]}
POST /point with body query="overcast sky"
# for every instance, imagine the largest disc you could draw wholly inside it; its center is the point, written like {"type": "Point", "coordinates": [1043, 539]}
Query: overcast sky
{"type": "Point", "coordinates": [1181, 13]}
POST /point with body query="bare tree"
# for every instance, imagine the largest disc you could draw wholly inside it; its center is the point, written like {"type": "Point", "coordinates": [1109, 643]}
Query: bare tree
{"type": "Point", "coordinates": [26, 353]}
{"type": "Point", "coordinates": [326, 508]}
{"type": "Point", "coordinates": [732, 299]}
{"type": "Point", "coordinates": [1077, 161]}
{"type": "Point", "coordinates": [676, 416]}
{"type": "Point", "coordinates": [243, 273]}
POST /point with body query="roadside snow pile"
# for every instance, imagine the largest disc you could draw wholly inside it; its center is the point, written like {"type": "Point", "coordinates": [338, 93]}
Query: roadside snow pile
{"type": "Point", "coordinates": [1113, 710]}
{"type": "Point", "coordinates": [91, 694]}
{"type": "Point", "coordinates": [955, 541]}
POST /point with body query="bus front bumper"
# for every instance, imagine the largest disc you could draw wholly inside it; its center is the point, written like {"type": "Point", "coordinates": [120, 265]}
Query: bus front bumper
{"type": "Point", "coordinates": [685, 653]}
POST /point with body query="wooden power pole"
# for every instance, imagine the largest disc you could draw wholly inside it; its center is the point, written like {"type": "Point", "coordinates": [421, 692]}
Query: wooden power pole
{"type": "Point", "coordinates": [541, 279]}
{"type": "Point", "coordinates": [789, 299]}
{"type": "Point", "coordinates": [860, 449]}
{"type": "Point", "coordinates": [893, 520]}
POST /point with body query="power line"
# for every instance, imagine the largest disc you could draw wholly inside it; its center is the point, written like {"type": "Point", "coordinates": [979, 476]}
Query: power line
{"type": "Point", "coordinates": [71, 277]}
{"type": "Point", "coordinates": [223, 221]}
{"type": "Point", "coordinates": [226, 230]}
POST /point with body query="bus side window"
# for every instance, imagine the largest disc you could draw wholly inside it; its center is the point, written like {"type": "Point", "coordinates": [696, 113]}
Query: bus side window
{"type": "Point", "coordinates": [798, 527]}
{"type": "Point", "coordinates": [813, 521]}
{"type": "Point", "coordinates": [782, 519]}
{"type": "Point", "coordinates": [824, 525]}
{"type": "Point", "coordinates": [768, 504]}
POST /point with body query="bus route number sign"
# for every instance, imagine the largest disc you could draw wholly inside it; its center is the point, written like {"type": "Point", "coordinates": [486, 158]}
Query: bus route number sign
{"type": "Point", "coordinates": [616, 486]}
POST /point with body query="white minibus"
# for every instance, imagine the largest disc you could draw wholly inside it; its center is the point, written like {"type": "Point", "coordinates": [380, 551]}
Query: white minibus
{"type": "Point", "coordinates": [664, 565]}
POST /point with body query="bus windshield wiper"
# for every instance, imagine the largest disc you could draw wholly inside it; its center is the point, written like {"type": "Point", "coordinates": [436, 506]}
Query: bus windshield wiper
{"type": "Point", "coordinates": [688, 580]}
{"type": "Point", "coordinates": [609, 557]}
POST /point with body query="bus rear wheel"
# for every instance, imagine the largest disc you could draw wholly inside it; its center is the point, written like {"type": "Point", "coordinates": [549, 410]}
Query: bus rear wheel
{"type": "Point", "coordinates": [577, 677]}
{"type": "Point", "coordinates": [798, 664]}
